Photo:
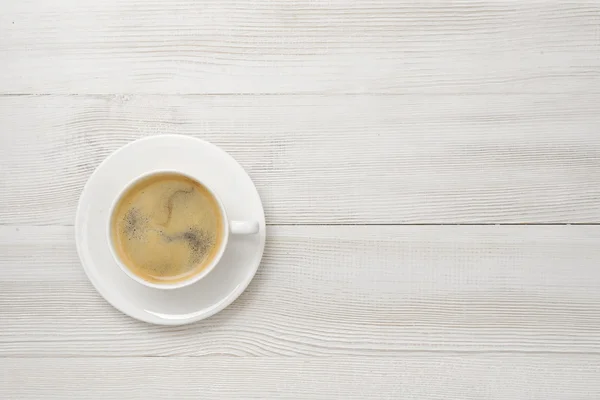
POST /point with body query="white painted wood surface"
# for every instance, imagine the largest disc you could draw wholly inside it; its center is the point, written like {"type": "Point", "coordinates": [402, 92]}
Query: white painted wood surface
{"type": "Point", "coordinates": [368, 126]}
{"type": "Point", "coordinates": [329, 291]}
{"type": "Point", "coordinates": [300, 46]}
{"type": "Point", "coordinates": [329, 159]}
{"type": "Point", "coordinates": [415, 376]}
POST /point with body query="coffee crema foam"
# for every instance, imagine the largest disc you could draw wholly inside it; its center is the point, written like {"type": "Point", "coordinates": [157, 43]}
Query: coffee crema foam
{"type": "Point", "coordinates": [167, 228]}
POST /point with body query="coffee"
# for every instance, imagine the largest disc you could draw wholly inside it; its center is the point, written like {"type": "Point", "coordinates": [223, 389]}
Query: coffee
{"type": "Point", "coordinates": [167, 228]}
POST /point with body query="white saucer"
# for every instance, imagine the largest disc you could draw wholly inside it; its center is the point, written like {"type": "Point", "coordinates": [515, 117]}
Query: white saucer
{"type": "Point", "coordinates": [215, 168]}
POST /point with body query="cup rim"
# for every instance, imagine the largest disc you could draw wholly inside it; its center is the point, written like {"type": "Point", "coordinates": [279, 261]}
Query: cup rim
{"type": "Point", "coordinates": [190, 280]}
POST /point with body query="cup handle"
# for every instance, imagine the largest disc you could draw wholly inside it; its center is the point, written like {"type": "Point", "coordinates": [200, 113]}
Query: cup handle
{"type": "Point", "coordinates": [243, 227]}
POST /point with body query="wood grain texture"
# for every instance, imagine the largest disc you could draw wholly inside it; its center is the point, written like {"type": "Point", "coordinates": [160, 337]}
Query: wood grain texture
{"type": "Point", "coordinates": [343, 112]}
{"type": "Point", "coordinates": [413, 376]}
{"type": "Point", "coordinates": [327, 159]}
{"type": "Point", "coordinates": [330, 291]}
{"type": "Point", "coordinates": [300, 46]}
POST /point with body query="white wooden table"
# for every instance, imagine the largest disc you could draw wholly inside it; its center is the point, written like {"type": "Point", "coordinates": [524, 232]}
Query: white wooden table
{"type": "Point", "coordinates": [430, 174]}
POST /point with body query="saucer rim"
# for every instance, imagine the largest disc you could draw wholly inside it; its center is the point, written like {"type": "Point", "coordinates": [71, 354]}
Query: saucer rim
{"type": "Point", "coordinates": [218, 306]}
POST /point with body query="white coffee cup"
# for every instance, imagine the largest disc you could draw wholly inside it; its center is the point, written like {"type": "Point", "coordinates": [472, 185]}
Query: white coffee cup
{"type": "Point", "coordinates": [229, 227]}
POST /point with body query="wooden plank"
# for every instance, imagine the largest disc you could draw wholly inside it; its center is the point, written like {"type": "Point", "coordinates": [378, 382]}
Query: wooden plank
{"type": "Point", "coordinates": [300, 46]}
{"type": "Point", "coordinates": [327, 159]}
{"type": "Point", "coordinates": [330, 291]}
{"type": "Point", "coordinates": [415, 376]}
